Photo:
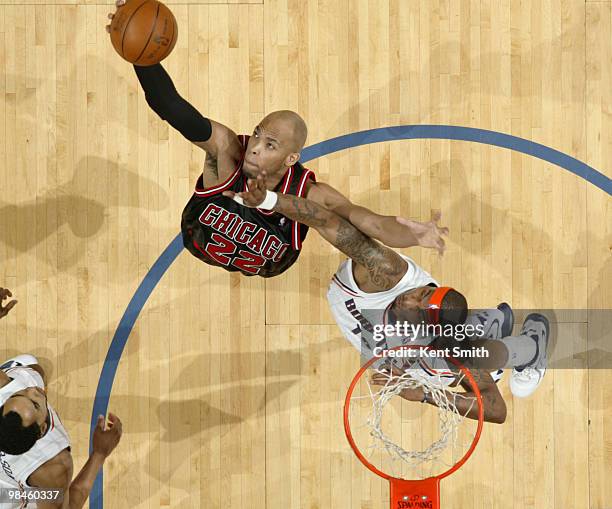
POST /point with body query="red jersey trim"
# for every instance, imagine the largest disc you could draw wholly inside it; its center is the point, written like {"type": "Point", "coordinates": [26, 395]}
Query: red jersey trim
{"type": "Point", "coordinates": [344, 287]}
{"type": "Point", "coordinates": [435, 372]}
{"type": "Point", "coordinates": [296, 238]}
{"type": "Point", "coordinates": [288, 179]}
{"type": "Point", "coordinates": [302, 187]}
{"type": "Point", "coordinates": [211, 191]}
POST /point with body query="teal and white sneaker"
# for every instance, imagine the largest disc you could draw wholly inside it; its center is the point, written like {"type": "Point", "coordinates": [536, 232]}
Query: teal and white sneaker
{"type": "Point", "coordinates": [508, 319]}
{"type": "Point", "coordinates": [527, 378]}
{"type": "Point", "coordinates": [495, 323]}
{"type": "Point", "coordinates": [21, 360]}
{"type": "Point", "coordinates": [504, 330]}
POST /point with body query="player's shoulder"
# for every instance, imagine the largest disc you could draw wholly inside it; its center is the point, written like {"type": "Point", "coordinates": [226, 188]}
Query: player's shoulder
{"type": "Point", "coordinates": [342, 285]}
{"type": "Point", "coordinates": [27, 375]}
{"type": "Point", "coordinates": [54, 473]}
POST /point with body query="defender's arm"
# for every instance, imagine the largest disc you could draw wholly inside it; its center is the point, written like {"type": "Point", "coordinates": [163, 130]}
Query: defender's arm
{"type": "Point", "coordinates": [393, 231]}
{"type": "Point", "coordinates": [493, 402]}
{"type": "Point", "coordinates": [57, 473]}
{"type": "Point", "coordinates": [377, 268]}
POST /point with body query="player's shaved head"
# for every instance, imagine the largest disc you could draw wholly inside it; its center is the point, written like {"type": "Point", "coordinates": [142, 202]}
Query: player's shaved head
{"type": "Point", "coordinates": [292, 126]}
{"type": "Point", "coordinates": [275, 145]}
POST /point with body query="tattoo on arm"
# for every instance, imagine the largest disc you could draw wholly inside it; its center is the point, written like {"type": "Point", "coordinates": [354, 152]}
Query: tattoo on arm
{"type": "Point", "coordinates": [384, 266]}
{"type": "Point", "coordinates": [304, 211]}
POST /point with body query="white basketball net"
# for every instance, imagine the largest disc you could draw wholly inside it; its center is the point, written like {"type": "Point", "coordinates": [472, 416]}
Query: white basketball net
{"type": "Point", "coordinates": [449, 417]}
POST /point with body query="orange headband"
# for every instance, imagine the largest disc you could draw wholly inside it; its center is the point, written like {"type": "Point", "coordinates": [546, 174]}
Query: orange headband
{"type": "Point", "coordinates": [435, 303]}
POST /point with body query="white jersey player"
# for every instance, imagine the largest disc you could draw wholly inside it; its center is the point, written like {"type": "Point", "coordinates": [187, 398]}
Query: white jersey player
{"type": "Point", "coordinates": [49, 435]}
{"type": "Point", "coordinates": [350, 304]}
{"type": "Point", "coordinates": [361, 315]}
{"type": "Point", "coordinates": [376, 277]}
{"type": "Point", "coordinates": [35, 460]}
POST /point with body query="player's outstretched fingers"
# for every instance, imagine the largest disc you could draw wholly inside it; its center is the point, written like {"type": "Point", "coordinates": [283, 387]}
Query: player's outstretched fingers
{"type": "Point", "coordinates": [105, 440]}
{"type": "Point", "coordinates": [380, 378]}
{"type": "Point", "coordinates": [115, 422]}
{"type": "Point", "coordinates": [5, 310]}
{"type": "Point", "coordinates": [111, 15]}
{"type": "Point", "coordinates": [436, 217]}
{"type": "Point", "coordinates": [5, 293]}
{"type": "Point", "coordinates": [237, 197]}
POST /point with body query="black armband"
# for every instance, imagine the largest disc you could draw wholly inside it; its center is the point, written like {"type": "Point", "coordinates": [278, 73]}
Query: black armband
{"type": "Point", "coordinates": [162, 97]}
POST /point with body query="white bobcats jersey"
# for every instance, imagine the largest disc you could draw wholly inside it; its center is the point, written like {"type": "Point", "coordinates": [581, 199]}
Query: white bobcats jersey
{"type": "Point", "coordinates": [15, 470]}
{"type": "Point", "coordinates": [357, 312]}
{"type": "Point", "coordinates": [347, 301]}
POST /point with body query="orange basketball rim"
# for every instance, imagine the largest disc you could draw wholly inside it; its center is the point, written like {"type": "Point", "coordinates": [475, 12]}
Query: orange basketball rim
{"type": "Point", "coordinates": [406, 493]}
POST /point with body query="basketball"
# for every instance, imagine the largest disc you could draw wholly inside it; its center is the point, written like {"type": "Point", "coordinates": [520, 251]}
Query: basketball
{"type": "Point", "coordinates": [143, 32]}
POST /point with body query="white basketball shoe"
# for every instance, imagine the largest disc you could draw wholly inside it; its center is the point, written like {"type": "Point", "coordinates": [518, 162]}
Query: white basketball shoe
{"type": "Point", "coordinates": [527, 378]}
{"type": "Point", "coordinates": [21, 360]}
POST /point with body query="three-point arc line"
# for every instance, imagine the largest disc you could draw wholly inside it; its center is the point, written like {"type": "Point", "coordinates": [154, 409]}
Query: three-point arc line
{"type": "Point", "coordinates": [407, 132]}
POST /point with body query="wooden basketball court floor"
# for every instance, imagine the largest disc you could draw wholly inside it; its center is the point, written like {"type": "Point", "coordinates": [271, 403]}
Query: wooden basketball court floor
{"type": "Point", "coordinates": [231, 388]}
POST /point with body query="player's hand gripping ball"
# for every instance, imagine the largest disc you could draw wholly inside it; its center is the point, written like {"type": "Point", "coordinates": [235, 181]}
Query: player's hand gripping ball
{"type": "Point", "coordinates": [143, 32]}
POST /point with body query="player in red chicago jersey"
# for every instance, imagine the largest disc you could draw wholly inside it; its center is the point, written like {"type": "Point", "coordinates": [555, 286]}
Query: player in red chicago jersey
{"type": "Point", "coordinates": [222, 232]}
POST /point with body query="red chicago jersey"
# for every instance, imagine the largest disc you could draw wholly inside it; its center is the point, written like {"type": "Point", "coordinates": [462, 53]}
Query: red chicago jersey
{"type": "Point", "coordinates": [221, 232]}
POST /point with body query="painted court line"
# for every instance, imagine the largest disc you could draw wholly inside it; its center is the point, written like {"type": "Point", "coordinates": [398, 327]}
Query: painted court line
{"type": "Point", "coordinates": [408, 132]}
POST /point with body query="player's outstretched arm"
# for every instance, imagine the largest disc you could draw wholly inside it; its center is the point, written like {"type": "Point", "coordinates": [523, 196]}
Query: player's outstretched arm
{"type": "Point", "coordinates": [465, 402]}
{"type": "Point", "coordinates": [57, 473]}
{"type": "Point", "coordinates": [164, 99]}
{"type": "Point", "coordinates": [393, 231]}
{"type": "Point", "coordinates": [223, 149]}
{"type": "Point", "coordinates": [377, 268]}
{"type": "Point", "coordinates": [492, 400]}
{"type": "Point", "coordinates": [220, 142]}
